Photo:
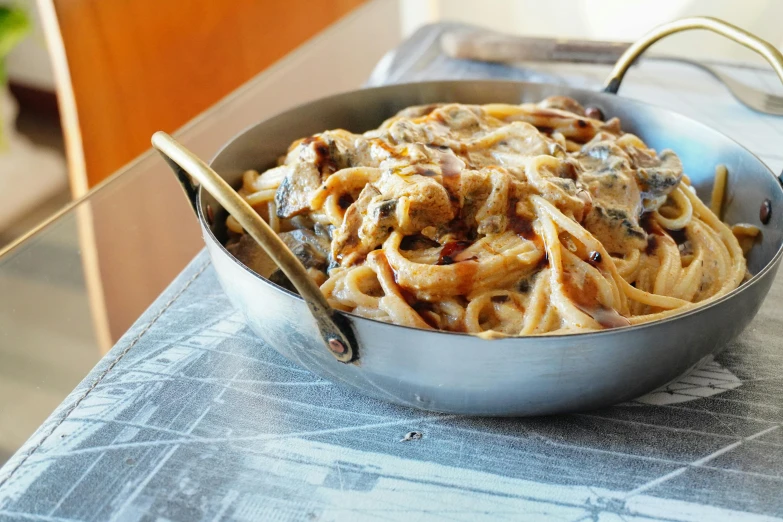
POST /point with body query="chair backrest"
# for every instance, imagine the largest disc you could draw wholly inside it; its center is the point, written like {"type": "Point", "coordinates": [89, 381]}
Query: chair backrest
{"type": "Point", "coordinates": [126, 68]}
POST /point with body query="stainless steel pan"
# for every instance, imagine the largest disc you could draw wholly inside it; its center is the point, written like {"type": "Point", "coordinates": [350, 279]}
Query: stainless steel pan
{"type": "Point", "coordinates": [459, 373]}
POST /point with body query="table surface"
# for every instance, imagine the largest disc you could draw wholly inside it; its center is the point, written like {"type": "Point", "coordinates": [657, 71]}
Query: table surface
{"type": "Point", "coordinates": [190, 417]}
{"type": "Point", "coordinates": [713, 440]}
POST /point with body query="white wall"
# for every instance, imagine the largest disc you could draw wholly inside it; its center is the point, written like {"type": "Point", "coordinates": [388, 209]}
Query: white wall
{"type": "Point", "coordinates": [609, 20]}
{"type": "Point", "coordinates": [29, 62]}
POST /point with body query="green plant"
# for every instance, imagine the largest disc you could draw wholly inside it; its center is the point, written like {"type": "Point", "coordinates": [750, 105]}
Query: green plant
{"type": "Point", "coordinates": [14, 25]}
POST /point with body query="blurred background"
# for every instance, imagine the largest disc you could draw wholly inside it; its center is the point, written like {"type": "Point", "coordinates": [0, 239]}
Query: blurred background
{"type": "Point", "coordinates": [125, 68]}
{"type": "Point", "coordinates": [85, 83]}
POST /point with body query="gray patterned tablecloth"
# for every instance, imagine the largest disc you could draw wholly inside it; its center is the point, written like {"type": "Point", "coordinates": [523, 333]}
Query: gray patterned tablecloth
{"type": "Point", "coordinates": [189, 417]}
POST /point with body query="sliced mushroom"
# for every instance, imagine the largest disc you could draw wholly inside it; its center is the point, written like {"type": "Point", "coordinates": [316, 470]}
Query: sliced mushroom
{"type": "Point", "coordinates": [250, 253]}
{"type": "Point", "coordinates": [312, 250]}
{"type": "Point", "coordinates": [656, 175]}
{"type": "Point", "coordinates": [616, 200]}
{"type": "Point", "coordinates": [295, 191]}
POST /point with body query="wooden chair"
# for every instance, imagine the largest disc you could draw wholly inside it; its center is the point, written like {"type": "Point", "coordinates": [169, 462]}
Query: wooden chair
{"type": "Point", "coordinates": [126, 68]}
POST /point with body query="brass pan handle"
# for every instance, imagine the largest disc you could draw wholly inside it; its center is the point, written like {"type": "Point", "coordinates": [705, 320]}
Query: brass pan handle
{"type": "Point", "coordinates": [732, 32]}
{"type": "Point", "coordinates": [335, 330]}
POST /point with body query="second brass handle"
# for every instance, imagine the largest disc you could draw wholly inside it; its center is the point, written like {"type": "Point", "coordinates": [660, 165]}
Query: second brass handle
{"type": "Point", "coordinates": [732, 32]}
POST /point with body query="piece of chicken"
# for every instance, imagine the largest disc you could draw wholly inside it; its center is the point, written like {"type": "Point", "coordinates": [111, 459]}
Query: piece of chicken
{"type": "Point", "coordinates": [404, 203]}
{"type": "Point", "coordinates": [310, 161]}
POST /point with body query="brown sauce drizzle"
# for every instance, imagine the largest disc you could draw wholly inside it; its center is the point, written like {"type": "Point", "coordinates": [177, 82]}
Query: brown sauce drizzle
{"type": "Point", "coordinates": [424, 309]}
{"type": "Point", "coordinates": [652, 245]}
{"type": "Point", "coordinates": [324, 161]}
{"type": "Point", "coordinates": [345, 201]}
{"type": "Point", "coordinates": [654, 230]}
{"type": "Point", "coordinates": [460, 228]}
{"type": "Point", "coordinates": [678, 236]}
{"type": "Point", "coordinates": [606, 317]}
{"type": "Point", "coordinates": [451, 250]}
{"type": "Point", "coordinates": [407, 294]}
{"type": "Point", "coordinates": [521, 226]}
{"type": "Point", "coordinates": [323, 157]}
{"type": "Point", "coordinates": [648, 223]}
{"type": "Point", "coordinates": [586, 299]}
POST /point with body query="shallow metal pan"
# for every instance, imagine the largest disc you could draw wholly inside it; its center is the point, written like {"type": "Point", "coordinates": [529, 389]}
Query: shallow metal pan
{"type": "Point", "coordinates": [459, 373]}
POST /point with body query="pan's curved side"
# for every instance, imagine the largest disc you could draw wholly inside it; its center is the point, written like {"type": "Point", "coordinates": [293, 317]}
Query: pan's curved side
{"type": "Point", "coordinates": [467, 375]}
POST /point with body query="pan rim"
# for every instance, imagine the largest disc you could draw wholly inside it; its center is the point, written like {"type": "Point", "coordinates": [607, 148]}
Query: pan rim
{"type": "Point", "coordinates": [351, 317]}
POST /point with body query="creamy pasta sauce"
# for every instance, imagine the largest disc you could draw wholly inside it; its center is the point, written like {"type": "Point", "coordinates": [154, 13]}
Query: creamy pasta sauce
{"type": "Point", "coordinates": [495, 220]}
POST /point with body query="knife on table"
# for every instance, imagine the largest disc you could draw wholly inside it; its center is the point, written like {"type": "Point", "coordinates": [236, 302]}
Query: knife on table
{"type": "Point", "coordinates": [489, 46]}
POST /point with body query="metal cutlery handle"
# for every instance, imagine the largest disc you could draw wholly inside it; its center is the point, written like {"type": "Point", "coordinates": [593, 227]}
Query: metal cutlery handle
{"type": "Point", "coordinates": [732, 32]}
{"type": "Point", "coordinates": [489, 46]}
{"type": "Point", "coordinates": [335, 330]}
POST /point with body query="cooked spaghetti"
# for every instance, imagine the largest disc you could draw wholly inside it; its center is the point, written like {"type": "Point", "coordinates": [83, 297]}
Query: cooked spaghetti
{"type": "Point", "coordinates": [495, 220]}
